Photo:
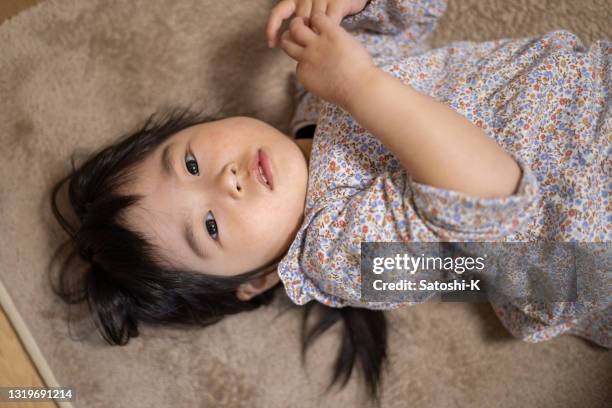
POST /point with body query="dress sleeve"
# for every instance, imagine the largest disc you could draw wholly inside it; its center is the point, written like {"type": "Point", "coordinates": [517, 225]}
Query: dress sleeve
{"type": "Point", "coordinates": [536, 322]}
{"type": "Point", "coordinates": [328, 248]}
{"type": "Point", "coordinates": [455, 216]}
{"type": "Point", "coordinates": [414, 18]}
{"type": "Point", "coordinates": [577, 299]}
{"type": "Point", "coordinates": [325, 258]}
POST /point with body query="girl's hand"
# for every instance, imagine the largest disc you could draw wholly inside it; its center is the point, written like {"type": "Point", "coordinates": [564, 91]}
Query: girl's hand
{"type": "Point", "coordinates": [332, 64]}
{"type": "Point", "coordinates": [335, 9]}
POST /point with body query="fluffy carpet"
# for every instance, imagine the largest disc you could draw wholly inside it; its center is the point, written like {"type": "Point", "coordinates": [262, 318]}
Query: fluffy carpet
{"type": "Point", "coordinates": [75, 74]}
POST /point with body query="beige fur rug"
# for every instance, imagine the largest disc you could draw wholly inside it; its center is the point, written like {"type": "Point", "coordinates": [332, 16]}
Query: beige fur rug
{"type": "Point", "coordinates": [75, 74]}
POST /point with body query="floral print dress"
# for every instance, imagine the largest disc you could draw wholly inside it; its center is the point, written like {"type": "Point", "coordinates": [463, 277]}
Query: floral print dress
{"type": "Point", "coordinates": [545, 100]}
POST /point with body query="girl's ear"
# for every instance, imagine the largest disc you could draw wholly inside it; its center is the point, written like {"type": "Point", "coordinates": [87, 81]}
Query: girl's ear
{"type": "Point", "coordinates": [248, 290]}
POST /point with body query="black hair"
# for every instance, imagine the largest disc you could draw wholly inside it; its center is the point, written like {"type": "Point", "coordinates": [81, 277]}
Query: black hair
{"type": "Point", "coordinates": [125, 282]}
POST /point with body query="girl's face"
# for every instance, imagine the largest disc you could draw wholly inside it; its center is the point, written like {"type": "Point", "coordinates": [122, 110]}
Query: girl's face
{"type": "Point", "coordinates": [208, 176]}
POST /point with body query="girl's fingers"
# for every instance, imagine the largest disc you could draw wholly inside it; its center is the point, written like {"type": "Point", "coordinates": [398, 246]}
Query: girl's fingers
{"type": "Point", "coordinates": [301, 34]}
{"type": "Point", "coordinates": [321, 22]}
{"type": "Point", "coordinates": [290, 47]}
{"type": "Point", "coordinates": [303, 9]}
{"type": "Point", "coordinates": [319, 5]}
{"type": "Point", "coordinates": [335, 11]}
{"type": "Point", "coordinates": [280, 12]}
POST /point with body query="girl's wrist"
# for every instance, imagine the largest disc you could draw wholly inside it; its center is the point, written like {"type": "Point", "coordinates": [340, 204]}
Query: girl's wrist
{"type": "Point", "coordinates": [360, 88]}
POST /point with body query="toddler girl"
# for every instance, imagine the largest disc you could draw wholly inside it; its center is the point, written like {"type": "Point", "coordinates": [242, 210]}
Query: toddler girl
{"type": "Point", "coordinates": [191, 217]}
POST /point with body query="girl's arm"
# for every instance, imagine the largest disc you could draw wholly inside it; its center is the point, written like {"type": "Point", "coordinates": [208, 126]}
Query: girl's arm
{"type": "Point", "coordinates": [436, 145]}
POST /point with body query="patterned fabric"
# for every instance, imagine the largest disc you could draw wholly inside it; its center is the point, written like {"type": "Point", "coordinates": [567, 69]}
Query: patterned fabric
{"type": "Point", "coordinates": [545, 100]}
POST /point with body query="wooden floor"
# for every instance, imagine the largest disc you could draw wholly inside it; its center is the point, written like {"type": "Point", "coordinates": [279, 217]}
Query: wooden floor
{"type": "Point", "coordinates": [16, 368]}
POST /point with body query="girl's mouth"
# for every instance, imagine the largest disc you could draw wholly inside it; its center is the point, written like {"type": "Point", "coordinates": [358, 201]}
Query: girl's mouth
{"type": "Point", "coordinates": [266, 168]}
{"type": "Point", "coordinates": [261, 169]}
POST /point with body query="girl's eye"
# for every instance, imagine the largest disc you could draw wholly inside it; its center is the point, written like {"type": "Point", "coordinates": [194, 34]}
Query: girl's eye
{"type": "Point", "coordinates": [211, 226]}
{"type": "Point", "coordinates": [192, 164]}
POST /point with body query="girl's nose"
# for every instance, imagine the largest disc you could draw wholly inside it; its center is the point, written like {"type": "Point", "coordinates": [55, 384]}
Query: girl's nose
{"type": "Point", "coordinates": [231, 182]}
